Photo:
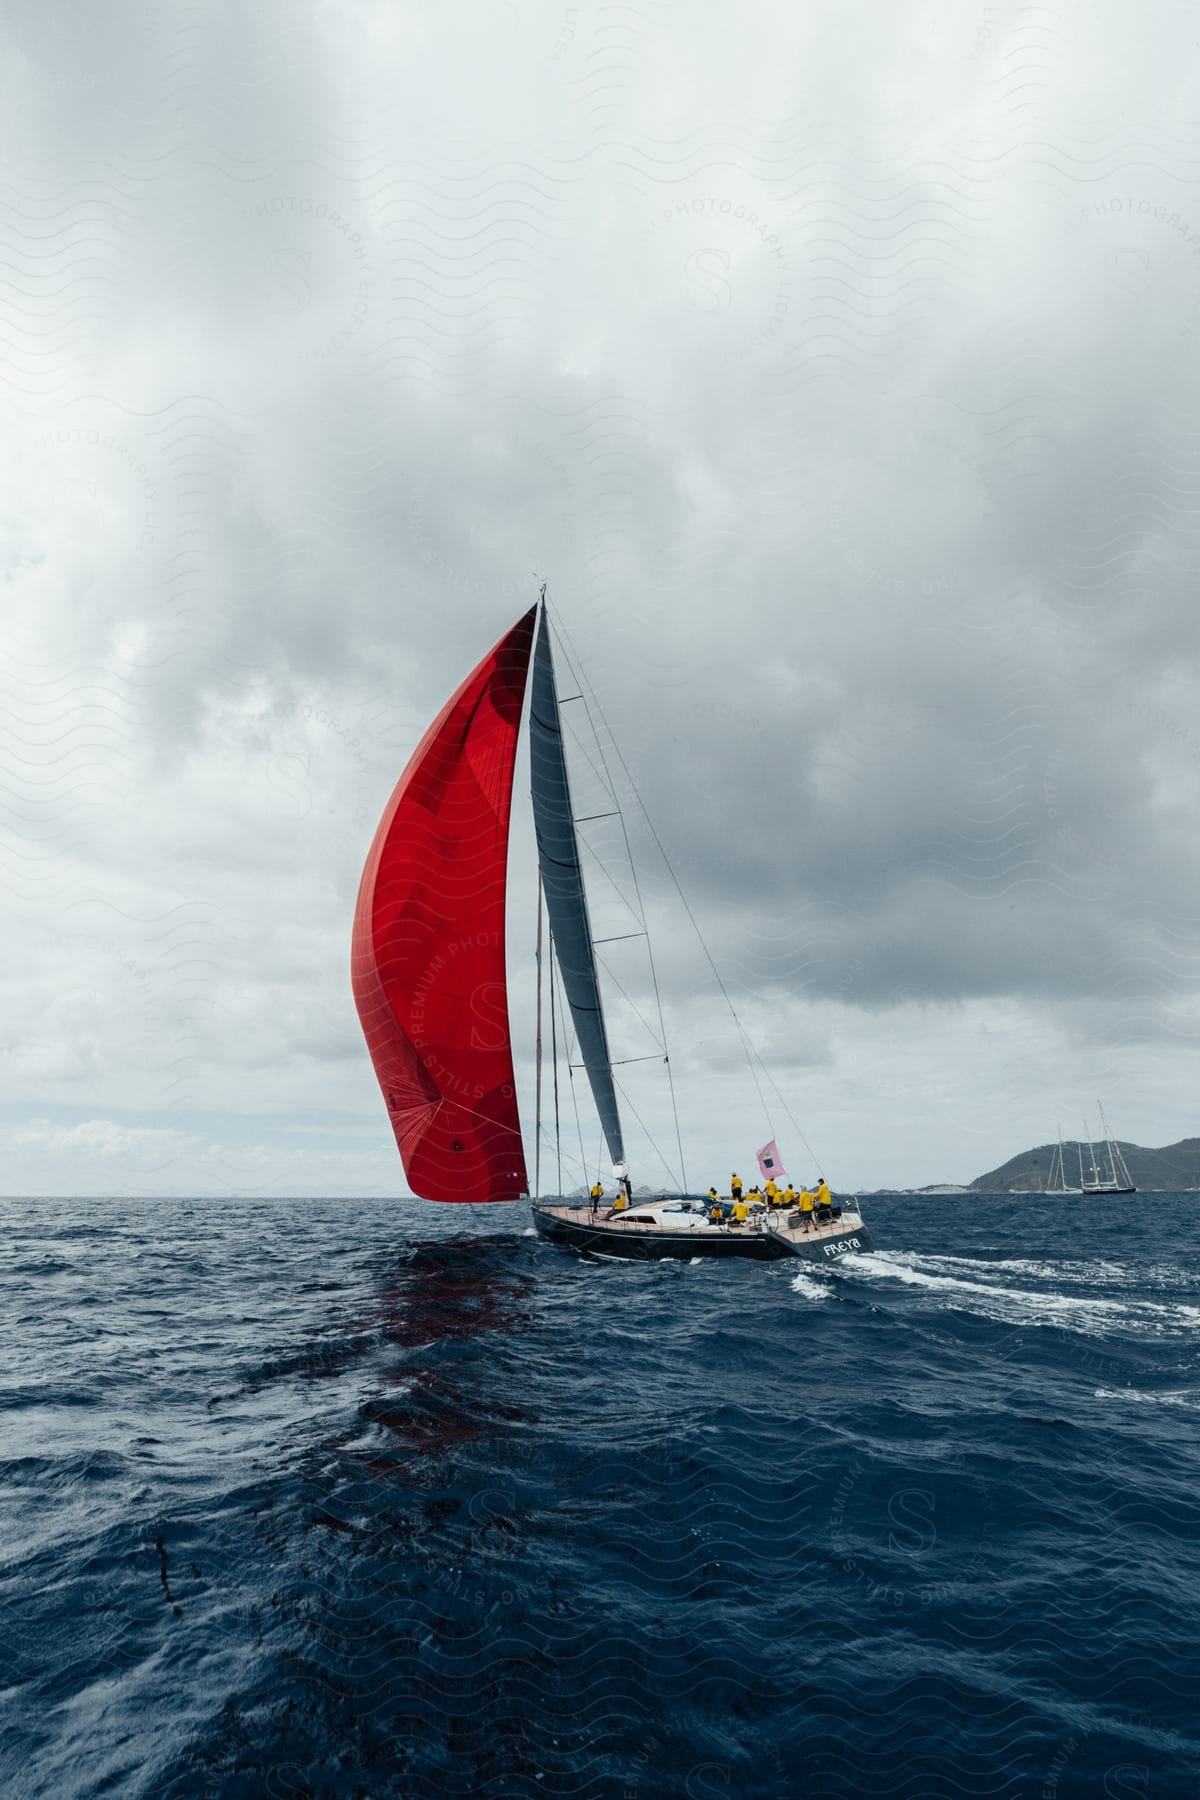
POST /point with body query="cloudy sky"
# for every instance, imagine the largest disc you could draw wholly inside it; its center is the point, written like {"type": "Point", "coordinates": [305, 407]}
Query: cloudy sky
{"type": "Point", "coordinates": [837, 366]}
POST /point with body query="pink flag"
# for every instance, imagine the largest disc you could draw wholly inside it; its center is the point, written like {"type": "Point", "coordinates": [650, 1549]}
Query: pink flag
{"type": "Point", "coordinates": [768, 1161]}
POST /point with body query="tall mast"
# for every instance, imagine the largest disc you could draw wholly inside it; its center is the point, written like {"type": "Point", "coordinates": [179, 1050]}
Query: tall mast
{"type": "Point", "coordinates": [1117, 1163]}
{"type": "Point", "coordinates": [1062, 1166]}
{"type": "Point", "coordinates": [566, 895]}
{"type": "Point", "coordinates": [1108, 1144]}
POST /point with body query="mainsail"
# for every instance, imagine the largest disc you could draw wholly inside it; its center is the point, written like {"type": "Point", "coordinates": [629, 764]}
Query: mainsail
{"type": "Point", "coordinates": [427, 962]}
{"type": "Point", "coordinates": [562, 880]}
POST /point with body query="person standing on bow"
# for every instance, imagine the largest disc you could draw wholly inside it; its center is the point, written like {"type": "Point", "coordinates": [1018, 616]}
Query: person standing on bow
{"type": "Point", "coordinates": [735, 1187]}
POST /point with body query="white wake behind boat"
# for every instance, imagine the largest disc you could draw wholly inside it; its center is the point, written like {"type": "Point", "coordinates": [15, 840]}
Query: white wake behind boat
{"type": "Point", "coordinates": [431, 986]}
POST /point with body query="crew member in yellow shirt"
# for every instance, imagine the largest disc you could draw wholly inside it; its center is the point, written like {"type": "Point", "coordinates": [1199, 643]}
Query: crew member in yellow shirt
{"type": "Point", "coordinates": [789, 1196]}
{"type": "Point", "coordinates": [806, 1208]}
{"type": "Point", "coordinates": [771, 1191]}
{"type": "Point", "coordinates": [740, 1213]}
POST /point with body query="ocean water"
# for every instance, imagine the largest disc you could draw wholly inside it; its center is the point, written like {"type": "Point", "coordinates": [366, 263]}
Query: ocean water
{"type": "Point", "coordinates": [355, 1498]}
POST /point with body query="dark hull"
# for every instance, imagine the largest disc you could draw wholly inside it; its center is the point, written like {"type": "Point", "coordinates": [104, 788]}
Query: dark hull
{"type": "Point", "coordinates": [829, 1250]}
{"type": "Point", "coordinates": [674, 1246]}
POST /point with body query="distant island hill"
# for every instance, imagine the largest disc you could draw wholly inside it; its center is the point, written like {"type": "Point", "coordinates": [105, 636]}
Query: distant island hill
{"type": "Point", "coordinates": [1173, 1169]}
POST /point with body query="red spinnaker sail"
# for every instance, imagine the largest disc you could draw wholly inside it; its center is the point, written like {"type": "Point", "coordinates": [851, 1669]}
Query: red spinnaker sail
{"type": "Point", "coordinates": [427, 962]}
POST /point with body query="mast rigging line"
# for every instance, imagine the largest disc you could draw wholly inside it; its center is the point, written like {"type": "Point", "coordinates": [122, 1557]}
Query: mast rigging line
{"type": "Point", "coordinates": [575, 1103]}
{"type": "Point", "coordinates": [637, 888]}
{"type": "Point", "coordinates": [537, 1059]}
{"type": "Point", "coordinates": [554, 1060]}
{"type": "Point", "coordinates": [597, 866]}
{"type": "Point", "coordinates": [634, 1008]}
{"type": "Point", "coordinates": [1114, 1152]}
{"type": "Point", "coordinates": [747, 1048]}
{"type": "Point", "coordinates": [572, 1040]}
{"type": "Point", "coordinates": [649, 1138]}
{"type": "Point", "coordinates": [623, 1061]}
{"type": "Point", "coordinates": [606, 781]}
{"type": "Point", "coordinates": [602, 775]}
{"type": "Point", "coordinates": [568, 1154]}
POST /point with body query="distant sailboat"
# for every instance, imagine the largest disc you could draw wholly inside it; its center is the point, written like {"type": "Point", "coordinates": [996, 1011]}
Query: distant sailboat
{"type": "Point", "coordinates": [1118, 1179]}
{"type": "Point", "coordinates": [431, 987]}
{"type": "Point", "coordinates": [1057, 1166]}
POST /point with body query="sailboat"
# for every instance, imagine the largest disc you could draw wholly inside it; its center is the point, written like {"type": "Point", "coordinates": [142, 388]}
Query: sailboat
{"type": "Point", "coordinates": [430, 983]}
{"type": "Point", "coordinates": [1118, 1180]}
{"type": "Point", "coordinates": [1057, 1166]}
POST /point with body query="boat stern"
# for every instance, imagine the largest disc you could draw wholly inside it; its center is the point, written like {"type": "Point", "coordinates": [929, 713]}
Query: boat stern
{"type": "Point", "coordinates": [822, 1243]}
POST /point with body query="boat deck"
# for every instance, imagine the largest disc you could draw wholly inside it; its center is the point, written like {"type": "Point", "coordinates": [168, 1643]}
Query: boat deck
{"type": "Point", "coordinates": [776, 1221]}
{"type": "Point", "coordinates": [778, 1233]}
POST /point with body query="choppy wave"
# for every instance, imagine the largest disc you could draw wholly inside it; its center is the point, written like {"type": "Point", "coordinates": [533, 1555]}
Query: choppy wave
{"type": "Point", "coordinates": [355, 1498]}
{"type": "Point", "coordinates": [968, 1284]}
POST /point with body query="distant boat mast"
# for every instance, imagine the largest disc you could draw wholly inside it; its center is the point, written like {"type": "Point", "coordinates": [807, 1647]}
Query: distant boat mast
{"type": "Point", "coordinates": [1117, 1180]}
{"type": "Point", "coordinates": [1058, 1162]}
